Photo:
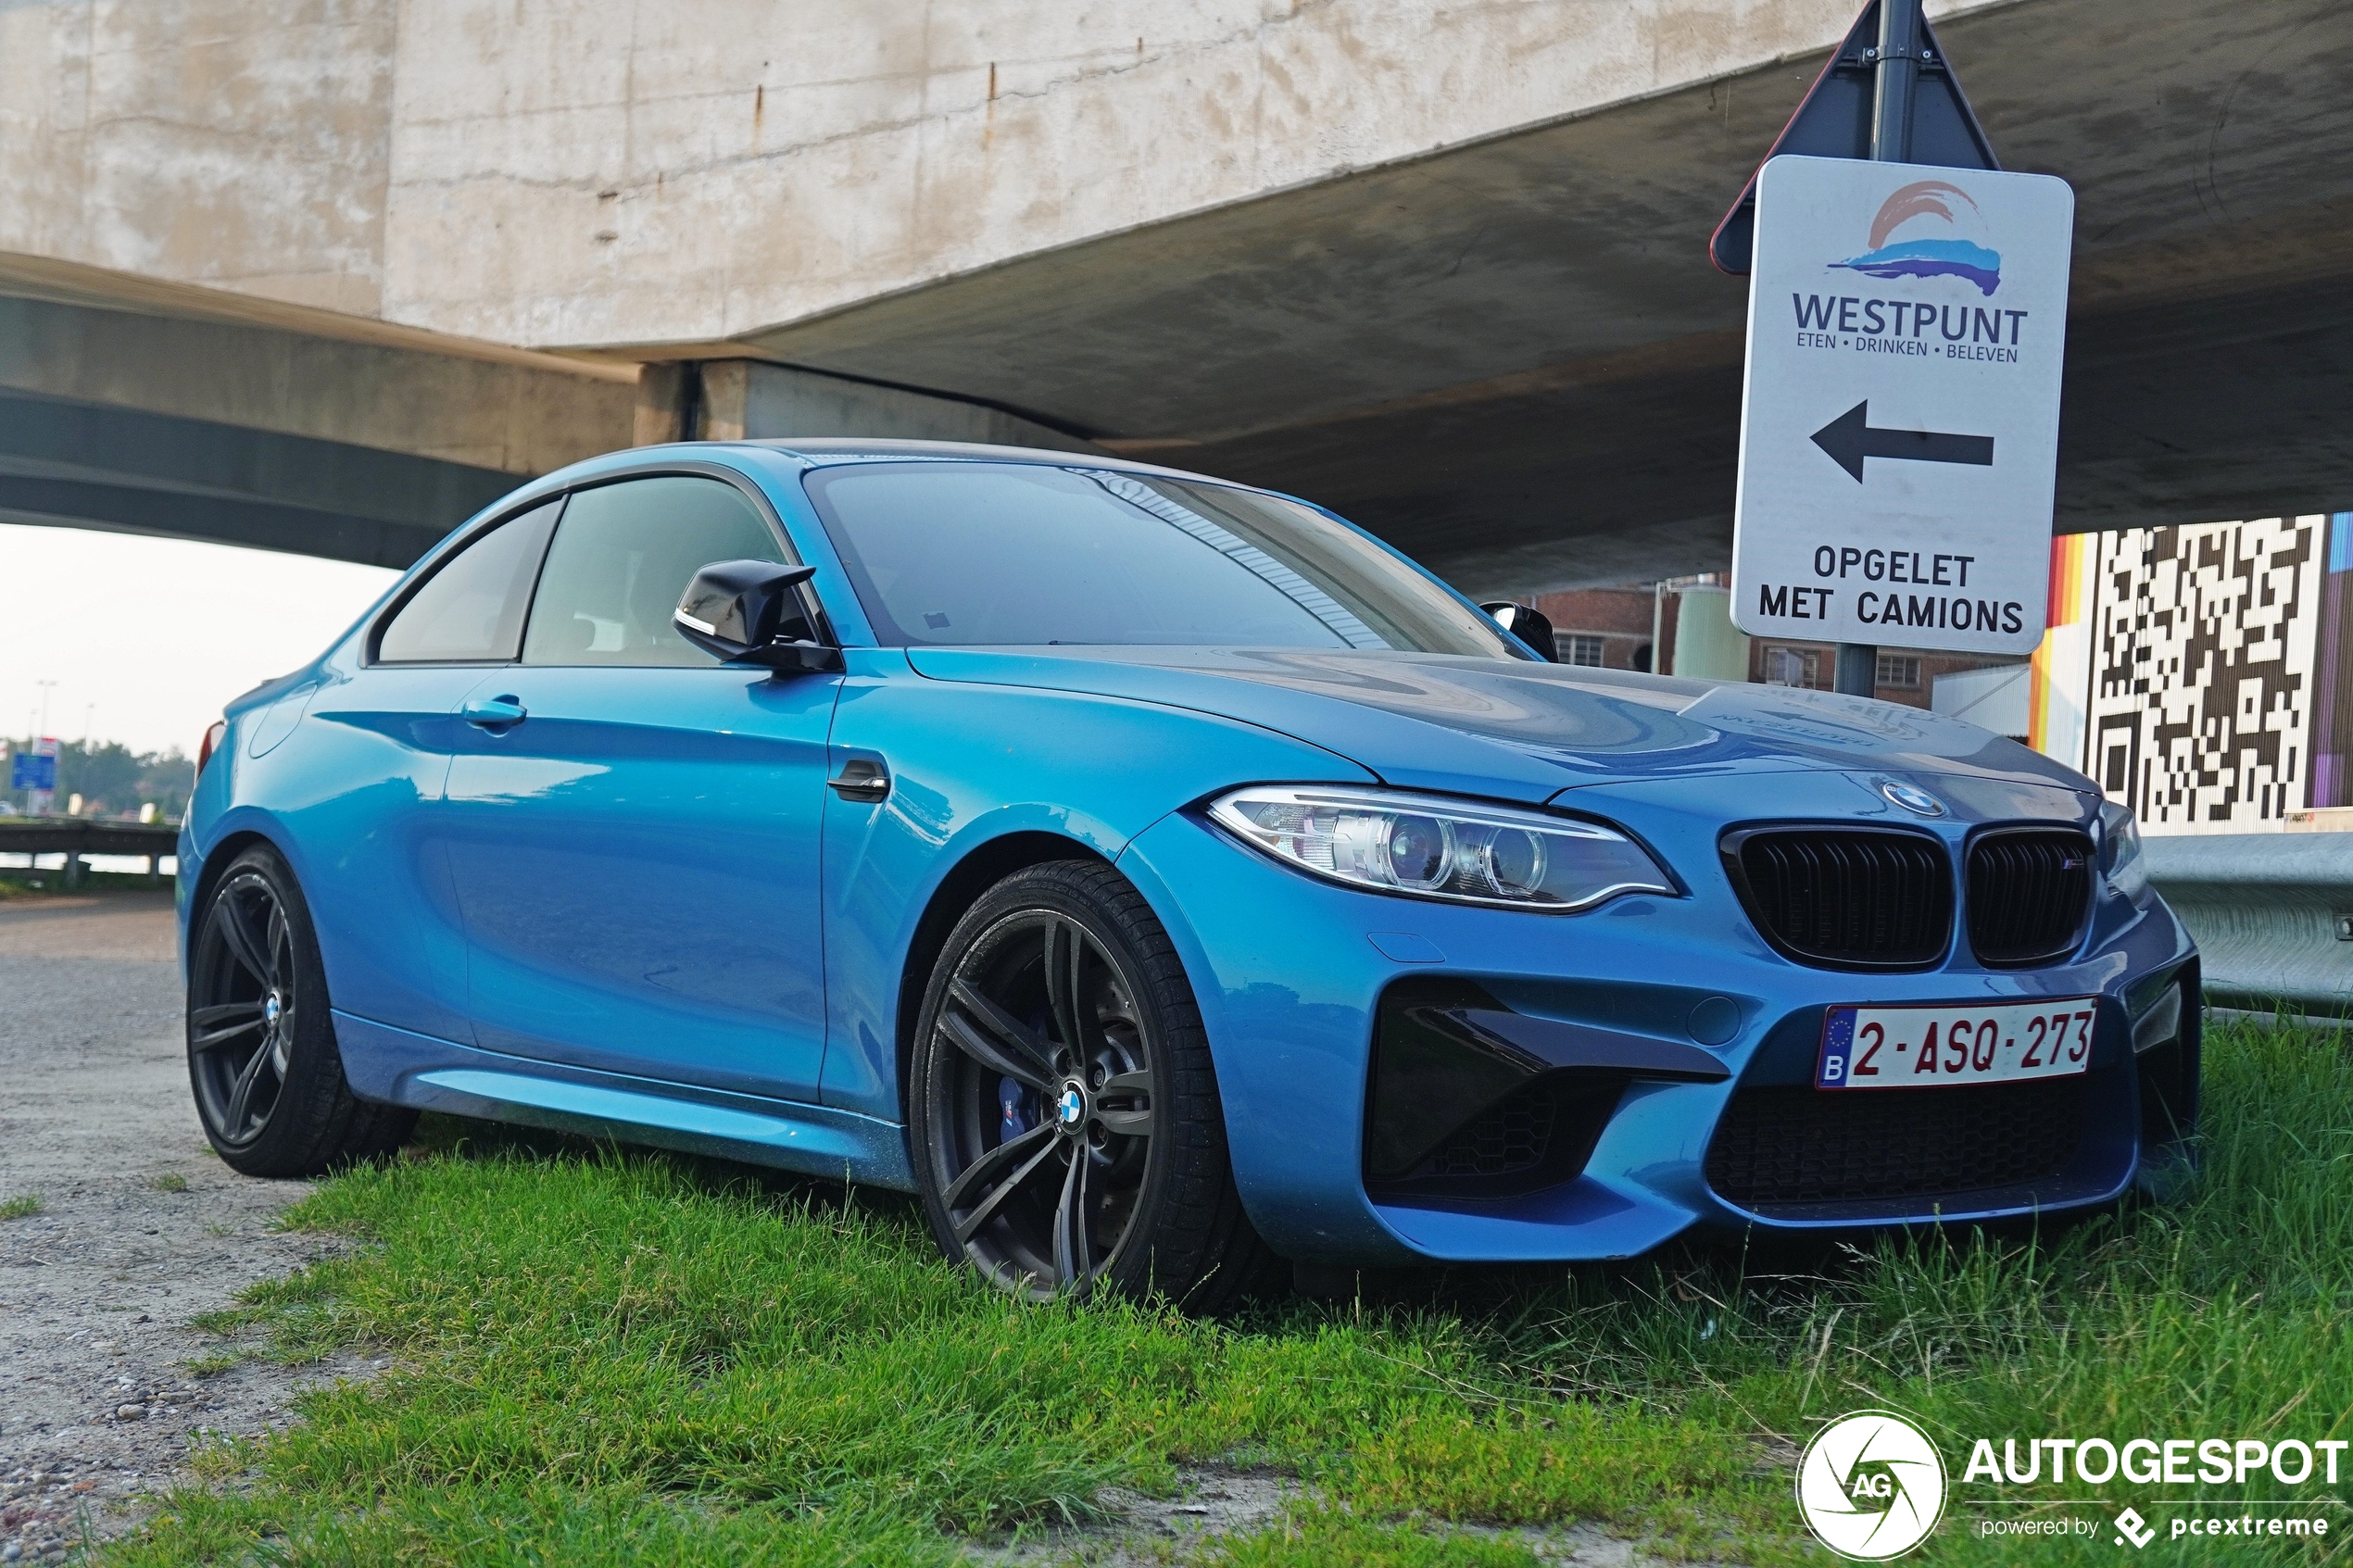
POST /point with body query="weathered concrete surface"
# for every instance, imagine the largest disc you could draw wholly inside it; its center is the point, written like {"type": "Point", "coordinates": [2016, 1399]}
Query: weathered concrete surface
{"type": "Point", "coordinates": [1439, 266]}
{"type": "Point", "coordinates": [140, 1228]}
{"type": "Point", "coordinates": [684, 172]}
{"type": "Point", "coordinates": [636, 173]}
{"type": "Point", "coordinates": [237, 143]}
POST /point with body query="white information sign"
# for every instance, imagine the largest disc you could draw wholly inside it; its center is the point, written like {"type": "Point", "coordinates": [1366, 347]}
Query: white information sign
{"type": "Point", "coordinates": [1899, 424]}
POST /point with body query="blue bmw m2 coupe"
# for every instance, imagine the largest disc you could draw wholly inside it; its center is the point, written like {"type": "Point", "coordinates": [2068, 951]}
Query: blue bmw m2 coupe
{"type": "Point", "coordinates": [1160, 877]}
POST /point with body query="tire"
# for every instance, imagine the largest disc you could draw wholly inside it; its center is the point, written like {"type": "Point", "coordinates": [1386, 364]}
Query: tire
{"type": "Point", "coordinates": [1062, 1171]}
{"type": "Point", "coordinates": [262, 1061]}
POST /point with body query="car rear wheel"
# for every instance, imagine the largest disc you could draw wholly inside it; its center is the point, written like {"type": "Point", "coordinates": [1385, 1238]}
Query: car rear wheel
{"type": "Point", "coordinates": [262, 1059]}
{"type": "Point", "coordinates": [1067, 1127]}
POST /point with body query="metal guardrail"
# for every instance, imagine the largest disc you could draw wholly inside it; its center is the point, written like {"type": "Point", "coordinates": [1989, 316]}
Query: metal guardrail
{"type": "Point", "coordinates": [2272, 913]}
{"type": "Point", "coordinates": [77, 837]}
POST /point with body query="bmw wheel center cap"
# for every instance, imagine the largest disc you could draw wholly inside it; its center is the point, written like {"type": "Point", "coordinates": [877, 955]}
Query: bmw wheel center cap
{"type": "Point", "coordinates": [1071, 1108]}
{"type": "Point", "coordinates": [1911, 798]}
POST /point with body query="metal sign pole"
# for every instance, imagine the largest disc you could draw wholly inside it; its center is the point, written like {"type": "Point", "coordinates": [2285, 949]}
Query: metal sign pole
{"type": "Point", "coordinates": [1898, 64]}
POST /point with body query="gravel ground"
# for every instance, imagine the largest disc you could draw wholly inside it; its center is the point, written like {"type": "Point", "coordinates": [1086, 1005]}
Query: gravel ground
{"type": "Point", "coordinates": [140, 1228]}
{"type": "Point", "coordinates": [1212, 1501]}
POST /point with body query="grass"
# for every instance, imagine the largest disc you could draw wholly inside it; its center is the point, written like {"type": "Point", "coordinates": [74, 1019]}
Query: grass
{"type": "Point", "coordinates": [170, 1181]}
{"type": "Point", "coordinates": [612, 1357]}
{"type": "Point", "coordinates": [1315, 1538]}
{"type": "Point", "coordinates": [214, 1364]}
{"type": "Point", "coordinates": [21, 1207]}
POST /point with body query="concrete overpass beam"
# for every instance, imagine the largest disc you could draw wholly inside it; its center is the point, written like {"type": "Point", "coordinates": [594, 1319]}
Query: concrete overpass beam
{"type": "Point", "coordinates": [87, 465]}
{"type": "Point", "coordinates": [180, 414]}
{"type": "Point", "coordinates": [317, 375]}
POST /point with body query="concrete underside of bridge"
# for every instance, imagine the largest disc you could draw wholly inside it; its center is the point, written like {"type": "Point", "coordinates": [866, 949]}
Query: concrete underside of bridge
{"type": "Point", "coordinates": [1513, 360]}
{"type": "Point", "coordinates": [1509, 354]}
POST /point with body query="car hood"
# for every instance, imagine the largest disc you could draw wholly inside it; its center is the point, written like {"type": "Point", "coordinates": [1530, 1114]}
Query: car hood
{"type": "Point", "coordinates": [1525, 731]}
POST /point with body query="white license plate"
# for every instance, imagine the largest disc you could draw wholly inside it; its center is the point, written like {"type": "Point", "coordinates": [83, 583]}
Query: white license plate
{"type": "Point", "coordinates": [1924, 1048]}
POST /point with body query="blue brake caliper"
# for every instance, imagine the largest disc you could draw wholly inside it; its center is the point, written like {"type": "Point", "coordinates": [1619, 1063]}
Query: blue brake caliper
{"type": "Point", "coordinates": [1010, 1098]}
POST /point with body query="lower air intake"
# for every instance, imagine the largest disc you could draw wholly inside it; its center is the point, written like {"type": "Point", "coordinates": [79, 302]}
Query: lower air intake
{"type": "Point", "coordinates": [1510, 1141]}
{"type": "Point", "coordinates": [1778, 1145]}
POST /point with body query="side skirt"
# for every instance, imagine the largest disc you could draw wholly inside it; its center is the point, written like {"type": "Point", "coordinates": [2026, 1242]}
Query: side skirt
{"type": "Point", "coordinates": [405, 1068]}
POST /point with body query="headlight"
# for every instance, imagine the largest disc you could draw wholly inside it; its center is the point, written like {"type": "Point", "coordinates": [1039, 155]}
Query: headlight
{"type": "Point", "coordinates": [2120, 859]}
{"type": "Point", "coordinates": [1434, 847]}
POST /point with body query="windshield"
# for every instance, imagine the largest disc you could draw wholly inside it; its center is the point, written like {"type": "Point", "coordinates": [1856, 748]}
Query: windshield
{"type": "Point", "coordinates": [958, 554]}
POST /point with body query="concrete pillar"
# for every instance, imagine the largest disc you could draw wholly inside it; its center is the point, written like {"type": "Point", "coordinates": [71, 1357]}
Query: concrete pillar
{"type": "Point", "coordinates": [662, 402]}
{"type": "Point", "coordinates": [727, 398]}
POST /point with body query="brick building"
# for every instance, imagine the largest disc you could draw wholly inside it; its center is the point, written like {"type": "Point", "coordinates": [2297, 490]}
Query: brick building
{"type": "Point", "coordinates": [1607, 627]}
{"type": "Point", "coordinates": [1906, 676]}
{"type": "Point", "coordinates": [1612, 627]}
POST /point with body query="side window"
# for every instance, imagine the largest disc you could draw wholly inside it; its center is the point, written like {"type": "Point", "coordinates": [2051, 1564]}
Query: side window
{"type": "Point", "coordinates": [621, 561]}
{"type": "Point", "coordinates": [471, 610]}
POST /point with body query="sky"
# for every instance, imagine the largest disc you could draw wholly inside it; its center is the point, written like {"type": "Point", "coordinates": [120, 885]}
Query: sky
{"type": "Point", "coordinates": [147, 638]}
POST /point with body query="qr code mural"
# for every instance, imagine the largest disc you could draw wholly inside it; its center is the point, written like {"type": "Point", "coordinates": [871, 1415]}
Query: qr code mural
{"type": "Point", "coordinates": [2202, 672]}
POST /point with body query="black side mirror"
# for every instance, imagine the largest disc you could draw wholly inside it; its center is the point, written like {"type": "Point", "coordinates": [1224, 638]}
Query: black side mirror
{"type": "Point", "coordinates": [1524, 622]}
{"type": "Point", "coordinates": [737, 610]}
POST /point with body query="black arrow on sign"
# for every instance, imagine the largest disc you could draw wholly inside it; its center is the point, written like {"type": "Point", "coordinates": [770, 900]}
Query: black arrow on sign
{"type": "Point", "coordinates": [1852, 437]}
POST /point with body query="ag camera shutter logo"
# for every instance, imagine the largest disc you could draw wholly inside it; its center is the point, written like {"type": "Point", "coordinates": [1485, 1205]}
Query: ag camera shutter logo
{"type": "Point", "coordinates": [1871, 1486]}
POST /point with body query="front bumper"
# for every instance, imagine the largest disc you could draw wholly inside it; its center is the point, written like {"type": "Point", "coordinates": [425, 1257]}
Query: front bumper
{"type": "Point", "coordinates": [1290, 973]}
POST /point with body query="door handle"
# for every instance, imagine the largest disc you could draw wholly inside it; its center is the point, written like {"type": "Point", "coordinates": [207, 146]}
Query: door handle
{"type": "Point", "coordinates": [494, 713]}
{"type": "Point", "coordinates": [862, 778]}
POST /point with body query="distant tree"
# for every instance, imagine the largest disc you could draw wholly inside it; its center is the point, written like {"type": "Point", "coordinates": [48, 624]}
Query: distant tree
{"type": "Point", "coordinates": [105, 775]}
{"type": "Point", "coordinates": [166, 777]}
{"type": "Point", "coordinates": [114, 780]}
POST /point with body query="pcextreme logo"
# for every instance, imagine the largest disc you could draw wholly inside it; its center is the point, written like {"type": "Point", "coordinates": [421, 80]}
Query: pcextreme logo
{"type": "Point", "coordinates": [1871, 1486]}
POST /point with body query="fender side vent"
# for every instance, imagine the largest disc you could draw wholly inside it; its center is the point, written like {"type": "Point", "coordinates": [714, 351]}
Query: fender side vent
{"type": "Point", "coordinates": [1450, 1113]}
{"type": "Point", "coordinates": [1509, 1140]}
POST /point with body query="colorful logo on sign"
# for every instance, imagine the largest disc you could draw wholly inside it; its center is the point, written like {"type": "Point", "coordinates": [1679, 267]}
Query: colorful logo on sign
{"type": "Point", "coordinates": [1928, 229]}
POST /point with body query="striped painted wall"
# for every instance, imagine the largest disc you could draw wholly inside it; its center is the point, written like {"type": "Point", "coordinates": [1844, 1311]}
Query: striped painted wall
{"type": "Point", "coordinates": [2200, 674]}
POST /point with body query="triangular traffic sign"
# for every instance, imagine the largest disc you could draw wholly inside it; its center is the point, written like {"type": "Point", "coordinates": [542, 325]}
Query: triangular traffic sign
{"type": "Point", "coordinates": [1834, 120]}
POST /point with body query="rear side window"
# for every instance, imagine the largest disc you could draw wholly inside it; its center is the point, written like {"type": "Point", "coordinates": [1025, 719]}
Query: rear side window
{"type": "Point", "coordinates": [471, 610]}
{"type": "Point", "coordinates": [621, 561]}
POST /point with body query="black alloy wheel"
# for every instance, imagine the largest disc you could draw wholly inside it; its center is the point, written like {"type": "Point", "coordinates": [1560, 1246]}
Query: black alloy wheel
{"type": "Point", "coordinates": [262, 1059]}
{"type": "Point", "coordinates": [1067, 1130]}
{"type": "Point", "coordinates": [241, 1036]}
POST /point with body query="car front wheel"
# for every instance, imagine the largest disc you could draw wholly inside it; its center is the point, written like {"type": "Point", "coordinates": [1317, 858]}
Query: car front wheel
{"type": "Point", "coordinates": [261, 1049]}
{"type": "Point", "coordinates": [1067, 1127]}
